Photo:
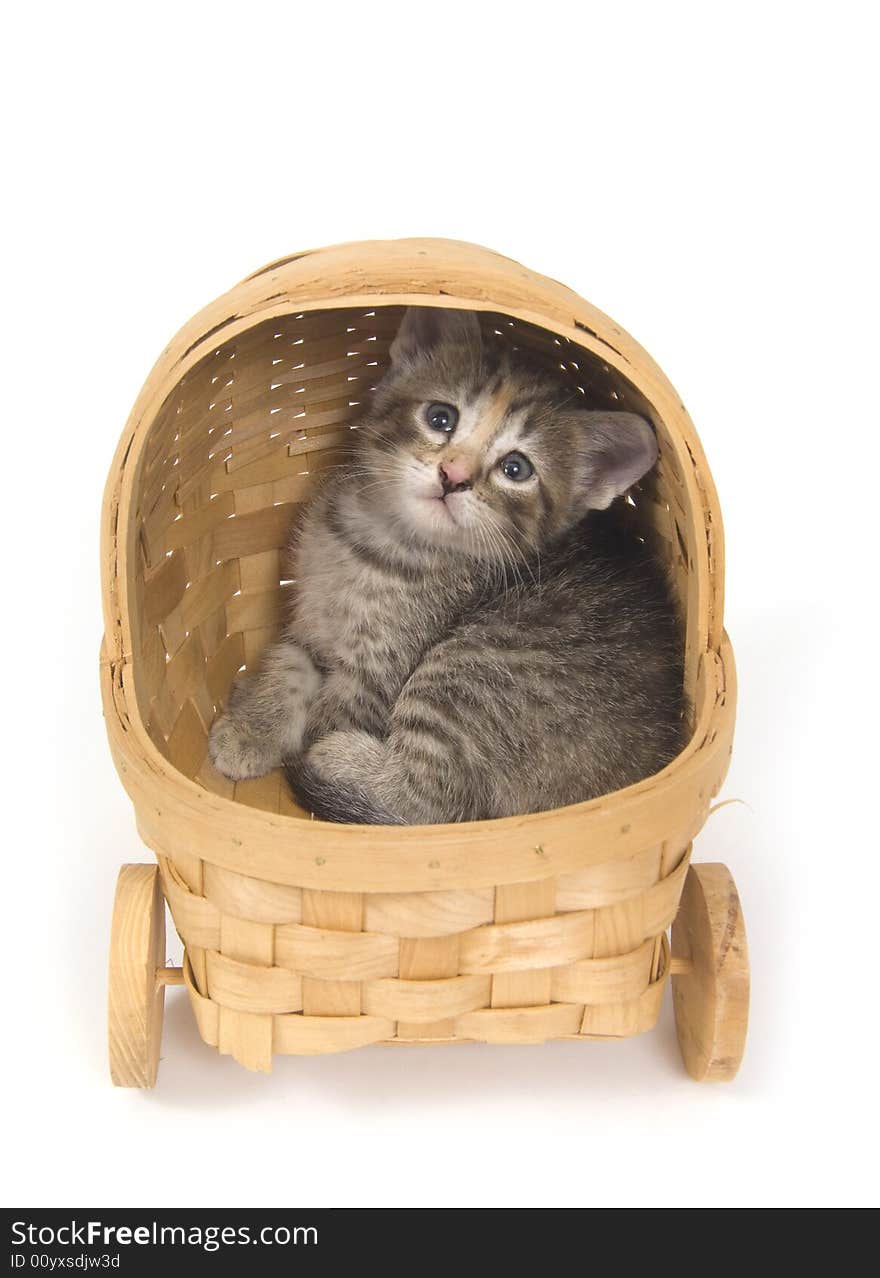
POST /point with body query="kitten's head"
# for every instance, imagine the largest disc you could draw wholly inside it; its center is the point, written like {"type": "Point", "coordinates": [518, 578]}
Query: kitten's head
{"type": "Point", "coordinates": [473, 448]}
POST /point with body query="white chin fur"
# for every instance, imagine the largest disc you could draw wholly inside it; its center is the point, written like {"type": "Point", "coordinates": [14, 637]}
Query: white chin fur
{"type": "Point", "coordinates": [436, 521]}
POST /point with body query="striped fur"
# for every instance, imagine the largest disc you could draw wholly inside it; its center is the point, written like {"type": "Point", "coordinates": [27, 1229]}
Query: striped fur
{"type": "Point", "coordinates": [464, 645]}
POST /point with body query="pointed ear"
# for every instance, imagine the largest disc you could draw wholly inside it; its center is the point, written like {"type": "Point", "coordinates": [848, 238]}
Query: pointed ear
{"type": "Point", "coordinates": [615, 450]}
{"type": "Point", "coordinates": [423, 328]}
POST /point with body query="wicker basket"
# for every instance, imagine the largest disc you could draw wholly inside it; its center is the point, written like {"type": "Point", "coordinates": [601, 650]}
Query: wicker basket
{"type": "Point", "coordinates": [305, 937]}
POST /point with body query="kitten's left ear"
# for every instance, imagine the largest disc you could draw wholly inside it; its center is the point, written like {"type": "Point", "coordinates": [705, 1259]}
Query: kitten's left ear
{"type": "Point", "coordinates": [423, 328]}
{"type": "Point", "coordinates": [615, 450]}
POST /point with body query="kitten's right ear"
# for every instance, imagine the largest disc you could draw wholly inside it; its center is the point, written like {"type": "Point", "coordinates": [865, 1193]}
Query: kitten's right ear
{"type": "Point", "coordinates": [614, 451]}
{"type": "Point", "coordinates": [424, 328]}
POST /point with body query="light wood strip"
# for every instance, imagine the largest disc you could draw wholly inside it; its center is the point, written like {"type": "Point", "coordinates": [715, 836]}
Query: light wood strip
{"type": "Point", "coordinates": [213, 632]}
{"type": "Point", "coordinates": [427, 958]}
{"type": "Point", "coordinates": [425, 1001]}
{"type": "Point", "coordinates": [244, 987]}
{"type": "Point", "coordinates": [207, 1014]}
{"type": "Point", "coordinates": [335, 911]}
{"type": "Point", "coordinates": [260, 792]}
{"type": "Point", "coordinates": [212, 780]}
{"type": "Point", "coordinates": [188, 742]}
{"type": "Point", "coordinates": [314, 1035]}
{"type": "Point", "coordinates": [610, 881]}
{"type": "Point", "coordinates": [197, 920]}
{"type": "Point", "coordinates": [164, 590]}
{"type": "Point", "coordinates": [520, 1024]}
{"type": "Point", "coordinates": [514, 903]}
{"type": "Point", "coordinates": [261, 610]}
{"type": "Point", "coordinates": [673, 853]}
{"type": "Point", "coordinates": [247, 1037]}
{"type": "Point", "coordinates": [422, 914]}
{"type": "Point", "coordinates": [189, 870]}
{"type": "Point", "coordinates": [223, 667]}
{"type": "Point", "coordinates": [604, 980]}
{"type": "Point", "coordinates": [246, 941]}
{"type": "Point", "coordinates": [192, 527]}
{"type": "Point", "coordinates": [247, 898]}
{"type": "Point", "coordinates": [335, 955]}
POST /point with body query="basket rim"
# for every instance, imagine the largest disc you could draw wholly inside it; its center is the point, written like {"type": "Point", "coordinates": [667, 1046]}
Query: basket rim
{"type": "Point", "coordinates": [175, 814]}
{"type": "Point", "coordinates": [322, 853]}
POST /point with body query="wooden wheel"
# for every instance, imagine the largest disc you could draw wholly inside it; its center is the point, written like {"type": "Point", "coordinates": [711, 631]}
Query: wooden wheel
{"type": "Point", "coordinates": [137, 989]}
{"type": "Point", "coordinates": [710, 974]}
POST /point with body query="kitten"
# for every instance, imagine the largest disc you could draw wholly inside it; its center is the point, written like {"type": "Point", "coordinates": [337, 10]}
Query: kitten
{"type": "Point", "coordinates": [469, 639]}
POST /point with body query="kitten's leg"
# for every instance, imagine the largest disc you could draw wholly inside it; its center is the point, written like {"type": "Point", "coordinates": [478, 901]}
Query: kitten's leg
{"type": "Point", "coordinates": [264, 720]}
{"type": "Point", "coordinates": [457, 745]}
{"type": "Point", "coordinates": [347, 702]}
{"type": "Point", "coordinates": [423, 772]}
{"type": "Point", "coordinates": [342, 778]}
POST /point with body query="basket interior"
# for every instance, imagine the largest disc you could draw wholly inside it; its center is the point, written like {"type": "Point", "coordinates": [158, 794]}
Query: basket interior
{"type": "Point", "coordinates": [230, 457]}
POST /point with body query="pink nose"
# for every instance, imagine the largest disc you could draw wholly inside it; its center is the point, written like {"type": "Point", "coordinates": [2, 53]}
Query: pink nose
{"type": "Point", "coordinates": [455, 474]}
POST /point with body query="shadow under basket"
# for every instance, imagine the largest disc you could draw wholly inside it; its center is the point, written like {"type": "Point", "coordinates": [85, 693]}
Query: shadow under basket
{"type": "Point", "coordinates": [307, 937]}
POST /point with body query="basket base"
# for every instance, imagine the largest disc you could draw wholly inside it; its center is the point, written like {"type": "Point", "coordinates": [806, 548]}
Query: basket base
{"type": "Point", "coordinates": [252, 1038]}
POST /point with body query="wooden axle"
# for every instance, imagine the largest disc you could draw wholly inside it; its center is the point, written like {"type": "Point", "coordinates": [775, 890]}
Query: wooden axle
{"type": "Point", "coordinates": [169, 976]}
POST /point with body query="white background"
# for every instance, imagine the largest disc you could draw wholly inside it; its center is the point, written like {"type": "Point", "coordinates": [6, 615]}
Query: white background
{"type": "Point", "coordinates": [704, 174]}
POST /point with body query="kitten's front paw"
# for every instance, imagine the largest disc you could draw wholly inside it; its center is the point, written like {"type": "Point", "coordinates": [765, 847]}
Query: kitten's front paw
{"type": "Point", "coordinates": [238, 753]}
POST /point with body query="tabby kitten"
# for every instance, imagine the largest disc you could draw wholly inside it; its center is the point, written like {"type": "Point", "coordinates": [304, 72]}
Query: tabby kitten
{"type": "Point", "coordinates": [469, 638]}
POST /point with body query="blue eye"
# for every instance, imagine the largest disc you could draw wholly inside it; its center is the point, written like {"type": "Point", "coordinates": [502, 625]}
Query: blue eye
{"type": "Point", "coordinates": [442, 417]}
{"type": "Point", "coordinates": [516, 467]}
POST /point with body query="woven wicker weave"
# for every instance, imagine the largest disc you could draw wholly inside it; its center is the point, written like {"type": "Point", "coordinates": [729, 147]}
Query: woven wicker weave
{"type": "Point", "coordinates": [306, 937]}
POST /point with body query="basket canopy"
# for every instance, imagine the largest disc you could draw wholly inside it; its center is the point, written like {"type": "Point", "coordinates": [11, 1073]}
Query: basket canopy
{"type": "Point", "coordinates": [257, 394]}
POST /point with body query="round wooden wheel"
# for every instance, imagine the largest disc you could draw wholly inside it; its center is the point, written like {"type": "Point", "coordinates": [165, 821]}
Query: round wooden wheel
{"type": "Point", "coordinates": [710, 974]}
{"type": "Point", "coordinates": [137, 993]}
